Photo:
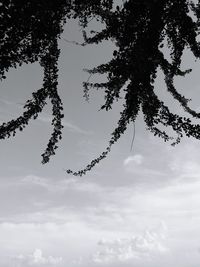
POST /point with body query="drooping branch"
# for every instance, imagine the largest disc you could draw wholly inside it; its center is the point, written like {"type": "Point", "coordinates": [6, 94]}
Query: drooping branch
{"type": "Point", "coordinates": [29, 32]}
{"type": "Point", "coordinates": [51, 81]}
{"type": "Point", "coordinates": [33, 106]}
{"type": "Point", "coordinates": [138, 29]}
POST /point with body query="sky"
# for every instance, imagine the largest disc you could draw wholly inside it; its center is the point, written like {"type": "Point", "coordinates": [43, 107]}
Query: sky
{"type": "Point", "coordinates": [139, 207]}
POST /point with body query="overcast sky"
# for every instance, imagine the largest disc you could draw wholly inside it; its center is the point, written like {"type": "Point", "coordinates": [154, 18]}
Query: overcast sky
{"type": "Point", "coordinates": [136, 208]}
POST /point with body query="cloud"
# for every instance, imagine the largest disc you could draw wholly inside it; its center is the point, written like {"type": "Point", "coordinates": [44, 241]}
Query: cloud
{"type": "Point", "coordinates": [136, 159]}
{"type": "Point", "coordinates": [143, 170]}
{"type": "Point", "coordinates": [37, 259]}
{"type": "Point", "coordinates": [185, 163]}
{"type": "Point", "coordinates": [36, 180]}
{"type": "Point", "coordinates": [71, 127]}
{"type": "Point", "coordinates": [62, 185]}
{"type": "Point", "coordinates": [123, 213]}
{"type": "Point", "coordinates": [136, 248]}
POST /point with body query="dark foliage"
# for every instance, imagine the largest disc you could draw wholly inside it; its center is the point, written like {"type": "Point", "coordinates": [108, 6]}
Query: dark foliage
{"type": "Point", "coordinates": [29, 32]}
{"type": "Point", "coordinates": [139, 30]}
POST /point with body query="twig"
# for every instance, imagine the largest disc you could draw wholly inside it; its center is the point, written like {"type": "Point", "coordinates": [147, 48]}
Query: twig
{"type": "Point", "coordinates": [133, 137]}
{"type": "Point", "coordinates": [74, 42]}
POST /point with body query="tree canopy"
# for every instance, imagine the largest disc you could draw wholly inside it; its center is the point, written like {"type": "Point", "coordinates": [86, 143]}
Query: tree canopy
{"type": "Point", "coordinates": [139, 29]}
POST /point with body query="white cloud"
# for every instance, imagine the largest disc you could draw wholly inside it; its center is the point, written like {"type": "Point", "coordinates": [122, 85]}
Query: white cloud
{"type": "Point", "coordinates": [36, 180]}
{"type": "Point", "coordinates": [122, 212]}
{"type": "Point", "coordinates": [136, 248]}
{"type": "Point", "coordinates": [190, 168]}
{"type": "Point", "coordinates": [37, 259]}
{"type": "Point", "coordinates": [61, 185]}
{"type": "Point", "coordinates": [142, 169]}
{"type": "Point", "coordinates": [136, 159]}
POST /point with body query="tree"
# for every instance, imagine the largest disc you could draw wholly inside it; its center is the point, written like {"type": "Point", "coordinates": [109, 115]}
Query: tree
{"type": "Point", "coordinates": [139, 30]}
{"type": "Point", "coordinates": [29, 32]}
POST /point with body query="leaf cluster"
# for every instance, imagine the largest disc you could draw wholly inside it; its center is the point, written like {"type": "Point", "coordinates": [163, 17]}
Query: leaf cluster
{"type": "Point", "coordinates": [139, 30]}
{"type": "Point", "coordinates": [29, 32]}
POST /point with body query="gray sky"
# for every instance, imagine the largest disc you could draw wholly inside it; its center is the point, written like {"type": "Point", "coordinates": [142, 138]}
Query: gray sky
{"type": "Point", "coordinates": [136, 208]}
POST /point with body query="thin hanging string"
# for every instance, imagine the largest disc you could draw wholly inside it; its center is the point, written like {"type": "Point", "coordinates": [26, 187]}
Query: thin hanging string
{"type": "Point", "coordinates": [133, 137]}
{"type": "Point", "coordinates": [74, 42]}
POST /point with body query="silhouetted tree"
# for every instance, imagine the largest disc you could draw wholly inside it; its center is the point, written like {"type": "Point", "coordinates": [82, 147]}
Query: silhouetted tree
{"type": "Point", "coordinates": [139, 30]}
{"type": "Point", "coordinates": [29, 32]}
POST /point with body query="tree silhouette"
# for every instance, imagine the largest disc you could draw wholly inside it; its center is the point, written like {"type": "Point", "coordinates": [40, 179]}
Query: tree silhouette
{"type": "Point", "coordinates": [29, 32]}
{"type": "Point", "coordinates": [139, 30]}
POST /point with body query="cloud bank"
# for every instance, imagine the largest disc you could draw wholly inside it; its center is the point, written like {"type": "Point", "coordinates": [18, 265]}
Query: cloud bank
{"type": "Point", "coordinates": [37, 259]}
{"type": "Point", "coordinates": [137, 248]}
